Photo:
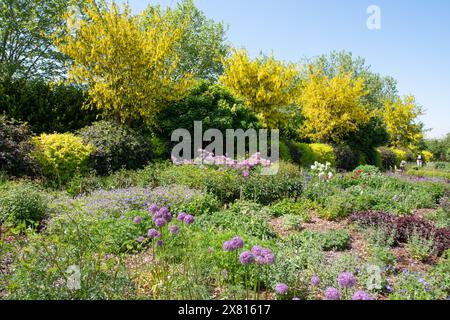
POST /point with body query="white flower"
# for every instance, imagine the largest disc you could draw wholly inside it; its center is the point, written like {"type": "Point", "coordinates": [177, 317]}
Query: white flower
{"type": "Point", "coordinates": [330, 175]}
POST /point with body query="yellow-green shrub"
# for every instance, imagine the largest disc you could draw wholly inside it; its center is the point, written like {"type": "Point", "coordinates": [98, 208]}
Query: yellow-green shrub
{"type": "Point", "coordinates": [427, 156]}
{"type": "Point", "coordinates": [60, 156]}
{"type": "Point", "coordinates": [316, 152]}
{"type": "Point", "coordinates": [400, 155]}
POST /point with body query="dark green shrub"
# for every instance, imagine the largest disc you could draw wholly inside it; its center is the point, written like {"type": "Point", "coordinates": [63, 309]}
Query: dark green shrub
{"type": "Point", "coordinates": [45, 107]}
{"type": "Point", "coordinates": [116, 147]}
{"type": "Point", "coordinates": [210, 103]}
{"type": "Point", "coordinates": [388, 158]}
{"type": "Point", "coordinates": [346, 158]}
{"type": "Point", "coordinates": [15, 148]}
{"type": "Point", "coordinates": [22, 203]}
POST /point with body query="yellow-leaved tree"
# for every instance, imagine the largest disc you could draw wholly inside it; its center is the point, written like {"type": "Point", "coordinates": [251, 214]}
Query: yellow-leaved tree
{"type": "Point", "coordinates": [269, 87]}
{"type": "Point", "coordinates": [128, 62]}
{"type": "Point", "coordinates": [401, 118]}
{"type": "Point", "coordinates": [332, 106]}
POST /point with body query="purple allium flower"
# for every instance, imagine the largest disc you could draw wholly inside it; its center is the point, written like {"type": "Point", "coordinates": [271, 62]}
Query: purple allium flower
{"type": "Point", "coordinates": [174, 229]}
{"type": "Point", "coordinates": [281, 288]}
{"type": "Point", "coordinates": [181, 216]}
{"type": "Point", "coordinates": [167, 216]}
{"type": "Point", "coordinates": [315, 281]}
{"type": "Point", "coordinates": [257, 250]}
{"type": "Point", "coordinates": [153, 208]}
{"type": "Point", "coordinates": [152, 234]}
{"type": "Point", "coordinates": [189, 219]}
{"type": "Point", "coordinates": [332, 294]}
{"type": "Point", "coordinates": [246, 258]}
{"type": "Point", "coordinates": [246, 173]}
{"type": "Point", "coordinates": [141, 239]}
{"type": "Point", "coordinates": [137, 220]}
{"type": "Point", "coordinates": [160, 222]}
{"type": "Point", "coordinates": [164, 210]}
{"type": "Point", "coordinates": [361, 295]}
{"type": "Point", "coordinates": [237, 242]}
{"type": "Point", "coordinates": [346, 280]}
{"type": "Point", "coordinates": [228, 246]}
{"type": "Point", "coordinates": [160, 243]}
{"type": "Point", "coordinates": [158, 215]}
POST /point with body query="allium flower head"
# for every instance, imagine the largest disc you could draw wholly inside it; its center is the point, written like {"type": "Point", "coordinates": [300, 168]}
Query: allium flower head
{"type": "Point", "coordinates": [181, 216]}
{"type": "Point", "coordinates": [281, 288]}
{"type": "Point", "coordinates": [141, 239]}
{"type": "Point", "coordinates": [153, 208]}
{"type": "Point", "coordinates": [257, 250]}
{"type": "Point", "coordinates": [174, 229]}
{"type": "Point", "coordinates": [346, 280]}
{"type": "Point", "coordinates": [228, 246]}
{"type": "Point", "coordinates": [160, 243]}
{"type": "Point", "coordinates": [160, 222]}
{"type": "Point", "coordinates": [167, 216]}
{"type": "Point", "coordinates": [164, 210]}
{"type": "Point", "coordinates": [332, 294]}
{"type": "Point", "coordinates": [189, 219]}
{"type": "Point", "coordinates": [137, 220]}
{"type": "Point", "coordinates": [315, 280]}
{"type": "Point", "coordinates": [246, 173]}
{"type": "Point", "coordinates": [152, 234]}
{"type": "Point", "coordinates": [246, 258]}
{"type": "Point", "coordinates": [361, 295]}
{"type": "Point", "coordinates": [237, 242]}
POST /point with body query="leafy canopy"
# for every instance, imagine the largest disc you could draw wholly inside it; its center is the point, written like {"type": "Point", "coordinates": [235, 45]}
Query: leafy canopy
{"type": "Point", "coordinates": [332, 107]}
{"type": "Point", "coordinates": [128, 63]}
{"type": "Point", "coordinates": [202, 45]}
{"type": "Point", "coordinates": [267, 86]}
{"type": "Point", "coordinates": [401, 118]}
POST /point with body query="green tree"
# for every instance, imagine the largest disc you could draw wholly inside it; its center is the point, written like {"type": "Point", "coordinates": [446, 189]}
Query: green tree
{"type": "Point", "coordinates": [202, 45]}
{"type": "Point", "coordinates": [26, 47]}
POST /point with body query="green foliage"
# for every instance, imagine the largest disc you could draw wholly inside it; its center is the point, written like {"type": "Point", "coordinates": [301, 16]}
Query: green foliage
{"type": "Point", "coordinates": [367, 169]}
{"type": "Point", "coordinates": [26, 49]}
{"type": "Point", "coordinates": [15, 148]}
{"type": "Point", "coordinates": [388, 158]}
{"type": "Point", "coordinates": [61, 156]}
{"type": "Point", "coordinates": [300, 208]}
{"type": "Point", "coordinates": [266, 189]}
{"type": "Point", "coordinates": [46, 107]}
{"type": "Point", "coordinates": [210, 103]}
{"type": "Point", "coordinates": [331, 240]}
{"type": "Point", "coordinates": [116, 147]}
{"type": "Point", "coordinates": [440, 148]}
{"type": "Point", "coordinates": [244, 218]}
{"type": "Point", "coordinates": [22, 204]}
{"type": "Point", "coordinates": [47, 262]}
{"type": "Point", "coordinates": [202, 45]}
{"type": "Point", "coordinates": [346, 158]}
{"type": "Point", "coordinates": [310, 153]}
{"type": "Point", "coordinates": [225, 184]}
{"type": "Point", "coordinates": [420, 248]}
{"type": "Point", "coordinates": [416, 286]}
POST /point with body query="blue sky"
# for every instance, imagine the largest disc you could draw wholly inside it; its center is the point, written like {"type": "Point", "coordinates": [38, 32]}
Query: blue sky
{"type": "Point", "coordinates": [413, 44]}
